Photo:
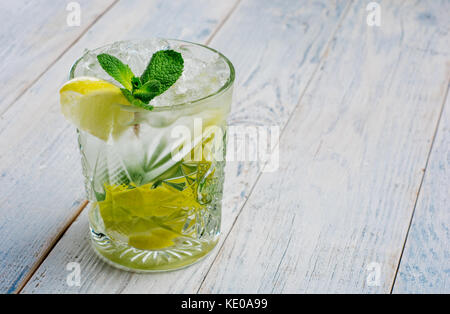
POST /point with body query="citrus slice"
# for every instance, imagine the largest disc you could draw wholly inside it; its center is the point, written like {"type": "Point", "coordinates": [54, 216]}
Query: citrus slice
{"type": "Point", "coordinates": [94, 106]}
{"type": "Point", "coordinates": [153, 239]}
{"type": "Point", "coordinates": [149, 218]}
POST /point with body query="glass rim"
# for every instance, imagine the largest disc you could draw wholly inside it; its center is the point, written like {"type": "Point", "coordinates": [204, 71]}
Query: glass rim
{"type": "Point", "coordinates": [225, 87]}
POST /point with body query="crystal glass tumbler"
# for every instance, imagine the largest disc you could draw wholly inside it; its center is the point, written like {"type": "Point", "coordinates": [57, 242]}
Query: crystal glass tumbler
{"type": "Point", "coordinates": [155, 184]}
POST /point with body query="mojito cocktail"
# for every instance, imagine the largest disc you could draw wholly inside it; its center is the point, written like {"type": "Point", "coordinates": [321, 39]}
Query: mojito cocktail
{"type": "Point", "coordinates": [151, 120]}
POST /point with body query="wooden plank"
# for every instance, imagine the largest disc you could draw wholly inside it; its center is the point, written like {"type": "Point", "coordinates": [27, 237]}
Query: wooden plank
{"type": "Point", "coordinates": [275, 61]}
{"type": "Point", "coordinates": [40, 170]}
{"type": "Point", "coordinates": [33, 34]}
{"type": "Point", "coordinates": [425, 264]}
{"type": "Point", "coordinates": [334, 218]}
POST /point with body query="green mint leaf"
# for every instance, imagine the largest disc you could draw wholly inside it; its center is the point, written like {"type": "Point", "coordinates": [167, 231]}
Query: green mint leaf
{"type": "Point", "coordinates": [163, 70]}
{"type": "Point", "coordinates": [119, 71]}
{"type": "Point", "coordinates": [136, 83]}
{"type": "Point", "coordinates": [135, 101]}
{"type": "Point", "coordinates": [148, 91]}
{"type": "Point", "coordinates": [166, 67]}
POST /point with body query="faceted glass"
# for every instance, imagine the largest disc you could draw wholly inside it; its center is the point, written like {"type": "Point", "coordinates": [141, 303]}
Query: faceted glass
{"type": "Point", "coordinates": [155, 187]}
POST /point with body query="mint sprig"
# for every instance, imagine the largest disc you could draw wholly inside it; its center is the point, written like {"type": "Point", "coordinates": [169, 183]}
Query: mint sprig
{"type": "Point", "coordinates": [163, 70]}
{"type": "Point", "coordinates": [148, 91]}
{"type": "Point", "coordinates": [165, 67]}
{"type": "Point", "coordinates": [135, 101]}
{"type": "Point", "coordinates": [118, 70]}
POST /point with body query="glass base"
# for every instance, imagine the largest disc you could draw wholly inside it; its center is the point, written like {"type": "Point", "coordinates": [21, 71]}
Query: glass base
{"type": "Point", "coordinates": [123, 256]}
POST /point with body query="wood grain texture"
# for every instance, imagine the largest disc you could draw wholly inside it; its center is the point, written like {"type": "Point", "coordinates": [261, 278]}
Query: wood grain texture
{"type": "Point", "coordinates": [425, 265]}
{"type": "Point", "coordinates": [40, 171]}
{"type": "Point", "coordinates": [33, 34]}
{"type": "Point", "coordinates": [351, 162]}
{"type": "Point", "coordinates": [274, 61]}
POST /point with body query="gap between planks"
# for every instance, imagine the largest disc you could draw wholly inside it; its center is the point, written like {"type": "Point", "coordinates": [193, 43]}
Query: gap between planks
{"type": "Point", "coordinates": [444, 101]}
{"type": "Point", "coordinates": [86, 202]}
{"type": "Point", "coordinates": [53, 243]}
{"type": "Point", "coordinates": [222, 23]}
{"type": "Point", "coordinates": [58, 58]}
{"type": "Point", "coordinates": [324, 55]}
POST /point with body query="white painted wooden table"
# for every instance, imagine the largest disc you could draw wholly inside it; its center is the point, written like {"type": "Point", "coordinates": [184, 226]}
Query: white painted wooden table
{"type": "Point", "coordinates": [360, 202]}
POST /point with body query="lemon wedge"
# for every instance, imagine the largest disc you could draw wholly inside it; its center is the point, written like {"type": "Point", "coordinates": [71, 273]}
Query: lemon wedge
{"type": "Point", "coordinates": [94, 106]}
